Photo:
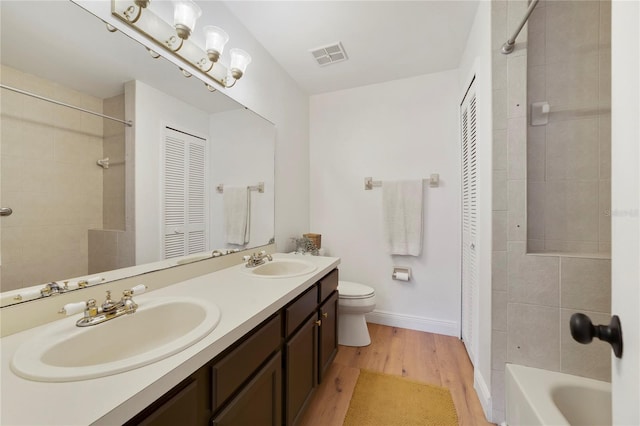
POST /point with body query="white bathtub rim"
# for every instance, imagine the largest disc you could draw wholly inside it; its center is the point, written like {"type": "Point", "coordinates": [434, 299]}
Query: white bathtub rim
{"type": "Point", "coordinates": [539, 387]}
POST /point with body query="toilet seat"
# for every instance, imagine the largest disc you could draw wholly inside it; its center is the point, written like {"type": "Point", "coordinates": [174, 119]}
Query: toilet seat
{"type": "Point", "coordinates": [351, 290]}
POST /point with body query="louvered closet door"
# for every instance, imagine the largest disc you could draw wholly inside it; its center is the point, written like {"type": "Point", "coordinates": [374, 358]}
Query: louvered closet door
{"type": "Point", "coordinates": [185, 194]}
{"type": "Point", "coordinates": [469, 219]}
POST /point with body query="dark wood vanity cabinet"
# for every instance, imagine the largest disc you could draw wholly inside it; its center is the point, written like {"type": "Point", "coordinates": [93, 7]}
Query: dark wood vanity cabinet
{"type": "Point", "coordinates": [328, 334]}
{"type": "Point", "coordinates": [265, 378]}
{"type": "Point", "coordinates": [259, 402]}
{"type": "Point", "coordinates": [310, 349]}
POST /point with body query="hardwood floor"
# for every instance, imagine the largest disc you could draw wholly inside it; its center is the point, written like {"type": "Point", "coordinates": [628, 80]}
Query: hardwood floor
{"type": "Point", "coordinates": [426, 357]}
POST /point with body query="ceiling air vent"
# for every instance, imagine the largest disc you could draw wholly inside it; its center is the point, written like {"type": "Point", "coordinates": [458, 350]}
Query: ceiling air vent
{"type": "Point", "coordinates": [329, 54]}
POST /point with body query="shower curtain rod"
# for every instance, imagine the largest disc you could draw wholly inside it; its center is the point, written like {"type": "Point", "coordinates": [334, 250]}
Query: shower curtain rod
{"type": "Point", "coordinates": [53, 101]}
{"type": "Point", "coordinates": [511, 43]}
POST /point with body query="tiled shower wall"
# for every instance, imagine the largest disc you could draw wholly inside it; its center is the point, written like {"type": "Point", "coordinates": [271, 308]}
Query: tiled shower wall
{"type": "Point", "coordinates": [569, 159]}
{"type": "Point", "coordinates": [112, 247]}
{"type": "Point", "coordinates": [50, 179]}
{"type": "Point", "coordinates": [534, 295]}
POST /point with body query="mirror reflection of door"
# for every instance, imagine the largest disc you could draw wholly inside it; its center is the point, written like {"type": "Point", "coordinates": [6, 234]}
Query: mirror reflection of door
{"type": "Point", "coordinates": [185, 192]}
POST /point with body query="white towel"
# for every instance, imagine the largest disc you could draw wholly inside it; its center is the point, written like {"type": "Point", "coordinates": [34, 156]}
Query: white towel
{"type": "Point", "coordinates": [402, 213]}
{"type": "Point", "coordinates": [237, 214]}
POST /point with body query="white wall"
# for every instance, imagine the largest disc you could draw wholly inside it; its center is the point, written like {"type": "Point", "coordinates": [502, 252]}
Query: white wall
{"type": "Point", "coordinates": [153, 111]}
{"type": "Point", "coordinates": [242, 154]}
{"type": "Point", "coordinates": [476, 61]}
{"type": "Point", "coordinates": [268, 90]}
{"type": "Point", "coordinates": [403, 129]}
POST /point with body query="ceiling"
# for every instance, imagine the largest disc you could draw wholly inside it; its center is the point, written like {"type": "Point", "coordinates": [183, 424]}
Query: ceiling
{"type": "Point", "coordinates": [384, 40]}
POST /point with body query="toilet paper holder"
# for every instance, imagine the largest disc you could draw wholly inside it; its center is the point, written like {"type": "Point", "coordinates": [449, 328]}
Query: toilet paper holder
{"type": "Point", "coordinates": [401, 273]}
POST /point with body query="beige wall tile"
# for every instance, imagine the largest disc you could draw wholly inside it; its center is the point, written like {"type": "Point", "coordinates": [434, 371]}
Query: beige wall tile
{"type": "Point", "coordinates": [604, 216]}
{"type": "Point", "coordinates": [499, 149]}
{"type": "Point", "coordinates": [592, 360]}
{"type": "Point", "coordinates": [497, 389]}
{"type": "Point", "coordinates": [517, 148]}
{"type": "Point", "coordinates": [533, 338]}
{"type": "Point", "coordinates": [517, 86]}
{"type": "Point", "coordinates": [498, 23]}
{"type": "Point", "coordinates": [564, 246]}
{"type": "Point", "coordinates": [571, 211]}
{"type": "Point", "coordinates": [499, 190]}
{"type": "Point", "coordinates": [498, 349]}
{"type": "Point", "coordinates": [604, 130]}
{"type": "Point", "coordinates": [499, 270]}
{"type": "Point", "coordinates": [605, 23]}
{"type": "Point", "coordinates": [536, 210]}
{"type": "Point", "coordinates": [604, 82]}
{"type": "Point", "coordinates": [571, 28]}
{"type": "Point", "coordinates": [536, 37]}
{"type": "Point", "coordinates": [585, 284]}
{"type": "Point", "coordinates": [574, 90]}
{"type": "Point", "coordinates": [499, 317]}
{"type": "Point", "coordinates": [535, 246]}
{"type": "Point", "coordinates": [572, 149]}
{"type": "Point", "coordinates": [536, 84]}
{"type": "Point", "coordinates": [499, 229]}
{"type": "Point", "coordinates": [499, 70]}
{"type": "Point", "coordinates": [516, 224]}
{"type": "Point", "coordinates": [533, 279]}
{"type": "Point", "coordinates": [499, 109]}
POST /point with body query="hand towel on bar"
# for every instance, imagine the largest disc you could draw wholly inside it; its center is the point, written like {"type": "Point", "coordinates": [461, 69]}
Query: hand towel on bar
{"type": "Point", "coordinates": [402, 213]}
{"type": "Point", "coordinates": [237, 214]}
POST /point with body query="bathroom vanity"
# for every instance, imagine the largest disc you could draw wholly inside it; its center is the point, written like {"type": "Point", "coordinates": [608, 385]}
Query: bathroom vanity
{"type": "Point", "coordinates": [260, 365]}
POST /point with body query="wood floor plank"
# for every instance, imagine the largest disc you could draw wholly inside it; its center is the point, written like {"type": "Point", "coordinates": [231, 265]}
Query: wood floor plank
{"type": "Point", "coordinates": [420, 358]}
{"type": "Point", "coordinates": [426, 357]}
{"type": "Point", "coordinates": [331, 402]}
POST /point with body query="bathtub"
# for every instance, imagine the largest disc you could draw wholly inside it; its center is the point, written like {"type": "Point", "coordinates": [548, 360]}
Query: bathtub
{"type": "Point", "coordinates": [542, 397]}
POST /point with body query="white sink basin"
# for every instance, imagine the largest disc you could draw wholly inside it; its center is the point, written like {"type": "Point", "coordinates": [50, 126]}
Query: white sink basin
{"type": "Point", "coordinates": [281, 268]}
{"type": "Point", "coordinates": [158, 329]}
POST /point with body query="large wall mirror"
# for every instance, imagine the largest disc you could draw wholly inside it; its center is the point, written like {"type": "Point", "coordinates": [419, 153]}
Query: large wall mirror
{"type": "Point", "coordinates": [95, 198]}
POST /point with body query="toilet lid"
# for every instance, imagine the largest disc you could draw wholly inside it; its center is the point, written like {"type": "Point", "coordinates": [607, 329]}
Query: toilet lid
{"type": "Point", "coordinates": [351, 290]}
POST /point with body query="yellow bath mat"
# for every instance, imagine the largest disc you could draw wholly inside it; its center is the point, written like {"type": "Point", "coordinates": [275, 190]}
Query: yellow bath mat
{"type": "Point", "coordinates": [384, 400]}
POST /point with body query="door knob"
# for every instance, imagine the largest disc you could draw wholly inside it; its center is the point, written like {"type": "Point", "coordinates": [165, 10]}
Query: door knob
{"type": "Point", "coordinates": [583, 331]}
{"type": "Point", "coordinates": [5, 211]}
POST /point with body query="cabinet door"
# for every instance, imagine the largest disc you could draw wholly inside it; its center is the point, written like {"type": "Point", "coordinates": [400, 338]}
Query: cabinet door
{"type": "Point", "coordinates": [181, 408]}
{"type": "Point", "coordinates": [301, 369]}
{"type": "Point", "coordinates": [328, 346]}
{"type": "Point", "coordinates": [260, 402]}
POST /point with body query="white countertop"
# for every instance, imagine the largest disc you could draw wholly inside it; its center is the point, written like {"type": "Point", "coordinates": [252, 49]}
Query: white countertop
{"type": "Point", "coordinates": [244, 302]}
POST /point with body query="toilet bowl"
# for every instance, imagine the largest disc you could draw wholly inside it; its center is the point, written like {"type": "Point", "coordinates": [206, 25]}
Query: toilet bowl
{"type": "Point", "coordinates": [354, 301]}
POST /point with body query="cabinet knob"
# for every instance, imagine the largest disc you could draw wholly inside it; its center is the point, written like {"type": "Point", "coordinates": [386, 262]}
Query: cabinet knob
{"type": "Point", "coordinates": [319, 323]}
{"type": "Point", "coordinates": [325, 314]}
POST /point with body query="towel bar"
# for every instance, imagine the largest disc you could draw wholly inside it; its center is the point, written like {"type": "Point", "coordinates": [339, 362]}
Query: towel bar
{"type": "Point", "coordinates": [369, 183]}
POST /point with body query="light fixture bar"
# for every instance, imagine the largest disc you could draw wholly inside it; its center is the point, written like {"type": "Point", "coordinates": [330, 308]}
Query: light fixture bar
{"type": "Point", "coordinates": [163, 34]}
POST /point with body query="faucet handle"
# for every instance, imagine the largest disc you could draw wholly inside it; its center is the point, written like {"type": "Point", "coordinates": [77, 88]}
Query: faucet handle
{"type": "Point", "coordinates": [139, 289]}
{"type": "Point", "coordinates": [73, 308]}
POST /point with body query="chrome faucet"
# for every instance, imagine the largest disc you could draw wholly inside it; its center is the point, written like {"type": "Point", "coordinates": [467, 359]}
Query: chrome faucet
{"type": "Point", "coordinates": [94, 314]}
{"type": "Point", "coordinates": [257, 259]}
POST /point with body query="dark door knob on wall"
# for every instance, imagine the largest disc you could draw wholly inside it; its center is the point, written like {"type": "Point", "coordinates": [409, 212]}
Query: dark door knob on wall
{"type": "Point", "coordinates": [583, 331]}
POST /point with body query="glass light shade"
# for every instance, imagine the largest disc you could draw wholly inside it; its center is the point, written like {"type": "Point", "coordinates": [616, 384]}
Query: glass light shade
{"type": "Point", "coordinates": [239, 61]}
{"type": "Point", "coordinates": [185, 14]}
{"type": "Point", "coordinates": [216, 38]}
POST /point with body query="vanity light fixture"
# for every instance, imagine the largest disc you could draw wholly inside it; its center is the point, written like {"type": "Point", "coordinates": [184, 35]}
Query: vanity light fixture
{"type": "Point", "coordinates": [185, 15]}
{"type": "Point", "coordinates": [175, 38]}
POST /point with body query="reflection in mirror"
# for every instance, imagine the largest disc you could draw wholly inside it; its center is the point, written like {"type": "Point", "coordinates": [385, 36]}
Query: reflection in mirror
{"type": "Point", "coordinates": [93, 198]}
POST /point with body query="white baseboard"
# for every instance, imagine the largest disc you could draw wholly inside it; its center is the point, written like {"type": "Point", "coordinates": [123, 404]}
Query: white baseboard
{"type": "Point", "coordinates": [449, 328]}
{"type": "Point", "coordinates": [484, 395]}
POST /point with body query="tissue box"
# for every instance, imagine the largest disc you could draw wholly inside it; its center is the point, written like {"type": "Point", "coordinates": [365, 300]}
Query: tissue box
{"type": "Point", "coordinates": [316, 239]}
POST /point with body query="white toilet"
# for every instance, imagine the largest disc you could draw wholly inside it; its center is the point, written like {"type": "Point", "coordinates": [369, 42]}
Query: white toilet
{"type": "Point", "coordinates": [354, 300]}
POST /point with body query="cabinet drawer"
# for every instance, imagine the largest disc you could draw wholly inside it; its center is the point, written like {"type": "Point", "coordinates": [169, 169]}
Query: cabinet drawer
{"type": "Point", "coordinates": [300, 309]}
{"type": "Point", "coordinates": [328, 285]}
{"type": "Point", "coordinates": [236, 367]}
